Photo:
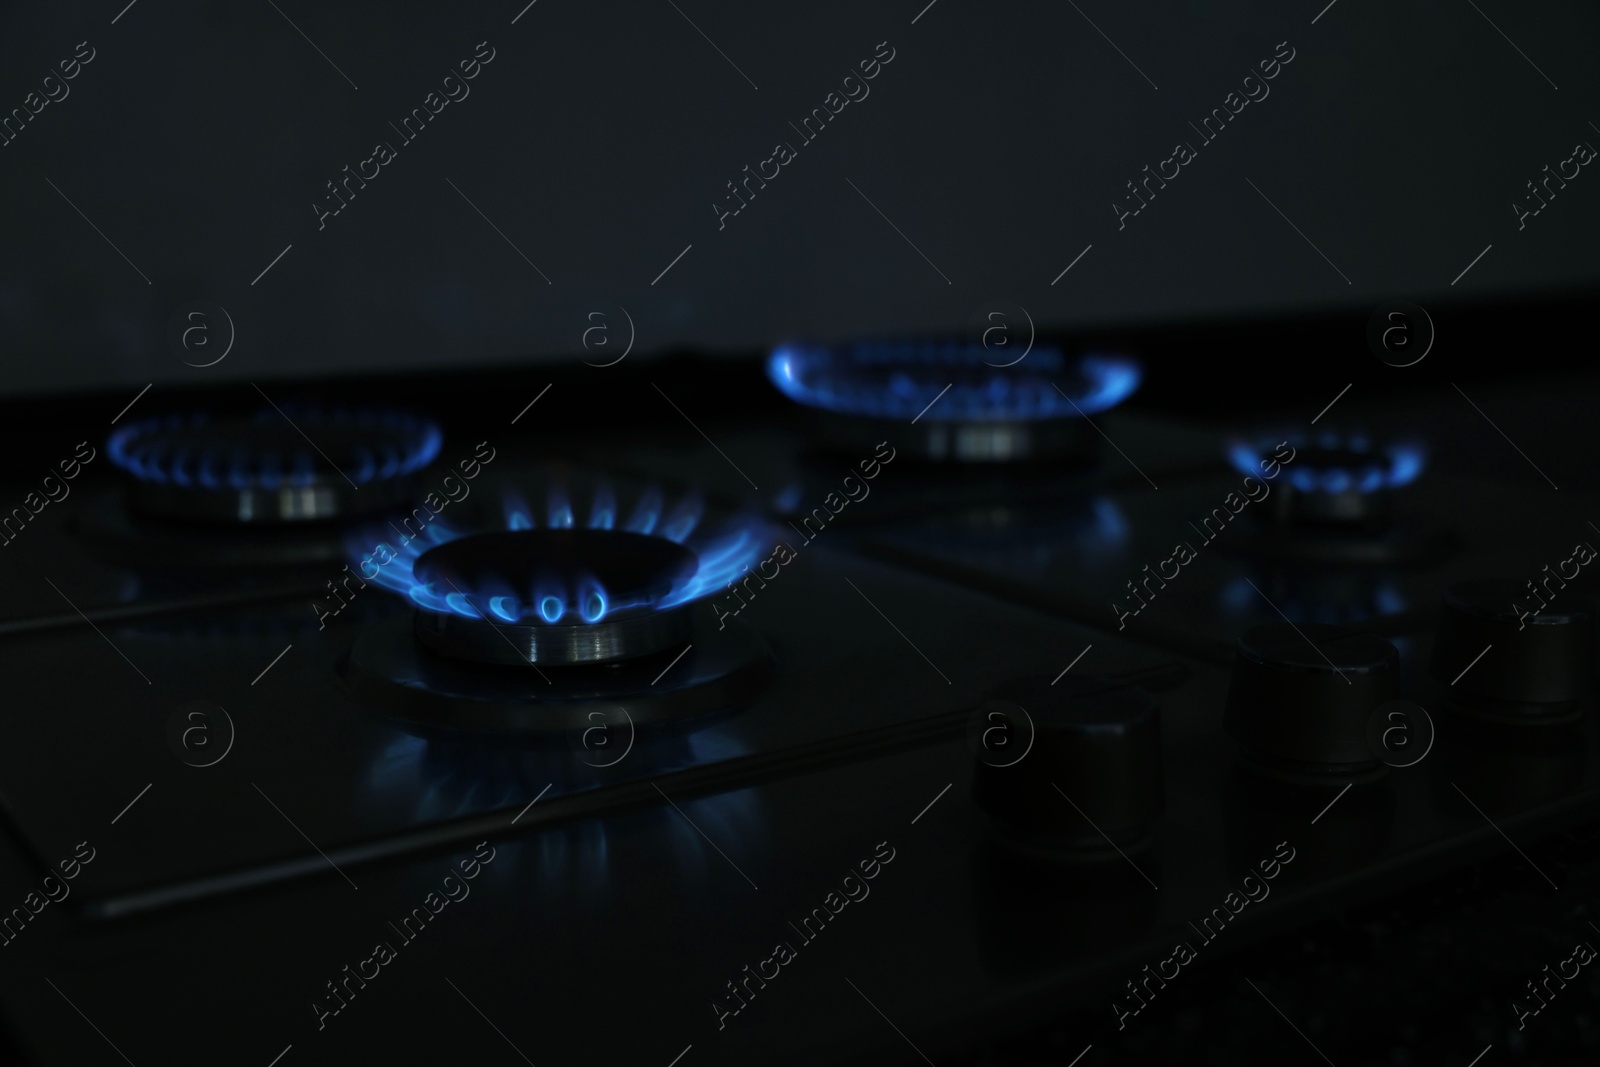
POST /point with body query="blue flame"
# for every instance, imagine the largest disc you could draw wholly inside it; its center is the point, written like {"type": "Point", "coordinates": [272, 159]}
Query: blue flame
{"type": "Point", "coordinates": [902, 380]}
{"type": "Point", "coordinates": [682, 519]}
{"type": "Point", "coordinates": [560, 509]}
{"type": "Point", "coordinates": [789, 498]}
{"type": "Point", "coordinates": [551, 608]}
{"type": "Point", "coordinates": [154, 450]}
{"type": "Point", "coordinates": [603, 513]}
{"type": "Point", "coordinates": [722, 559]}
{"type": "Point", "coordinates": [1387, 467]}
{"type": "Point", "coordinates": [591, 601]}
{"type": "Point", "coordinates": [519, 516]}
{"type": "Point", "coordinates": [646, 512]}
{"type": "Point", "coordinates": [724, 555]}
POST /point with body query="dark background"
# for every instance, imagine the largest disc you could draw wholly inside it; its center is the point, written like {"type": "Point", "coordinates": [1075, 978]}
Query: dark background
{"type": "Point", "coordinates": [596, 142]}
{"type": "Point", "coordinates": [599, 137]}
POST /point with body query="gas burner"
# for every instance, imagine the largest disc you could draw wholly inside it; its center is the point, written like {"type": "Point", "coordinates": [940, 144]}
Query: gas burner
{"type": "Point", "coordinates": [1335, 498]}
{"type": "Point", "coordinates": [526, 627]}
{"type": "Point", "coordinates": [576, 593]}
{"type": "Point", "coordinates": [555, 596]}
{"type": "Point", "coordinates": [1334, 479]}
{"type": "Point", "coordinates": [293, 465]}
{"type": "Point", "coordinates": [963, 407]}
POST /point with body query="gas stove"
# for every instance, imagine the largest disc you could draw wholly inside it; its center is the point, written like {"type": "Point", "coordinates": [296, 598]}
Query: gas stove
{"type": "Point", "coordinates": [1053, 676]}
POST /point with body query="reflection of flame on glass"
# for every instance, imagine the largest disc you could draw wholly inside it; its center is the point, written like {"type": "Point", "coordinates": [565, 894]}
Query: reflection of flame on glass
{"type": "Point", "coordinates": [1091, 531]}
{"type": "Point", "coordinates": [441, 780]}
{"type": "Point", "coordinates": [1336, 463]}
{"type": "Point", "coordinates": [1110, 528]}
{"type": "Point", "coordinates": [1335, 603]}
{"type": "Point", "coordinates": [901, 380]}
{"type": "Point", "coordinates": [788, 498]}
{"type": "Point", "coordinates": [1018, 541]}
{"type": "Point", "coordinates": [577, 598]}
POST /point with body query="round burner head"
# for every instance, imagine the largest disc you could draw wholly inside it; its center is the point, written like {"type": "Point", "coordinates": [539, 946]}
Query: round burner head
{"type": "Point", "coordinates": [289, 465]}
{"type": "Point", "coordinates": [554, 596]}
{"type": "Point", "coordinates": [1332, 479]}
{"type": "Point", "coordinates": [962, 406]}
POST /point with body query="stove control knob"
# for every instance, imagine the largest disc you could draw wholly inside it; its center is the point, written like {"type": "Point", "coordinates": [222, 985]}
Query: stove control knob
{"type": "Point", "coordinates": [1506, 656]}
{"type": "Point", "coordinates": [1302, 699]}
{"type": "Point", "coordinates": [1069, 771]}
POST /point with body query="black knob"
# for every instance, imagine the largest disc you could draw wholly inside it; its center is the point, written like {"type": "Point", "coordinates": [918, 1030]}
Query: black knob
{"type": "Point", "coordinates": [1089, 782]}
{"type": "Point", "coordinates": [1510, 657]}
{"type": "Point", "coordinates": [1302, 698]}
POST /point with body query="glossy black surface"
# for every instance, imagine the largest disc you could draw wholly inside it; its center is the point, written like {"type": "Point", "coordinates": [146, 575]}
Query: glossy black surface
{"type": "Point", "coordinates": [829, 725]}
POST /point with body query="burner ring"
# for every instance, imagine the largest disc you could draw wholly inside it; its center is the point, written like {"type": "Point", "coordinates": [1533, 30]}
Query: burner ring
{"type": "Point", "coordinates": [292, 465]}
{"type": "Point", "coordinates": [948, 381]}
{"type": "Point", "coordinates": [1338, 498]}
{"type": "Point", "coordinates": [1334, 478]}
{"type": "Point", "coordinates": [509, 591]}
{"type": "Point", "coordinates": [962, 407]}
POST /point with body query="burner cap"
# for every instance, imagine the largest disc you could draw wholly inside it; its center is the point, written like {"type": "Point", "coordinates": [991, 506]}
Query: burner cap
{"type": "Point", "coordinates": [287, 465]}
{"type": "Point", "coordinates": [963, 407]}
{"type": "Point", "coordinates": [553, 596]}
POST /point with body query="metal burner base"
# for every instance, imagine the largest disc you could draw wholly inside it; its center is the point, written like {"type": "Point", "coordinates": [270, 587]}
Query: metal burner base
{"type": "Point", "coordinates": [518, 644]}
{"type": "Point", "coordinates": [122, 535]}
{"type": "Point", "coordinates": [325, 498]}
{"type": "Point", "coordinates": [390, 673]}
{"type": "Point", "coordinates": [961, 442]}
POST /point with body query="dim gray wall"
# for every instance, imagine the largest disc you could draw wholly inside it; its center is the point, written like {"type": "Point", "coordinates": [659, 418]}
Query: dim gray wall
{"type": "Point", "coordinates": [601, 134]}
